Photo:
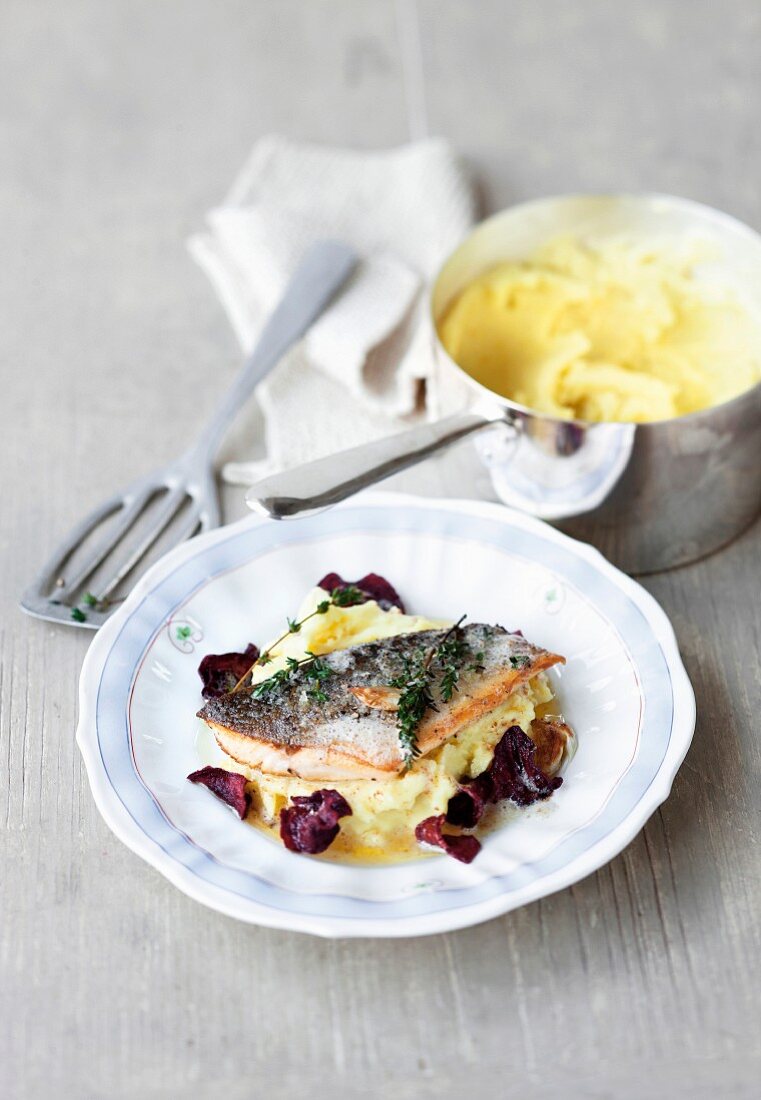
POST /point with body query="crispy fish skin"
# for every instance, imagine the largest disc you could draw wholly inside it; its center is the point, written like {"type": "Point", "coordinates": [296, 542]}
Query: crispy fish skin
{"type": "Point", "coordinates": [353, 733]}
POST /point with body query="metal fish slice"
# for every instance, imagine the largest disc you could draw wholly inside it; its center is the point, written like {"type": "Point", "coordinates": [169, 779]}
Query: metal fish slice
{"type": "Point", "coordinates": [181, 498]}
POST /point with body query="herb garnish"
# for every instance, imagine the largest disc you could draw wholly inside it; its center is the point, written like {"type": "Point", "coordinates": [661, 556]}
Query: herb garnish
{"type": "Point", "coordinates": [318, 672]}
{"type": "Point", "coordinates": [417, 681]}
{"type": "Point", "coordinates": [520, 662]}
{"type": "Point", "coordinates": [77, 614]}
{"type": "Point", "coordinates": [315, 669]}
{"type": "Point", "coordinates": [88, 600]}
{"type": "Point", "coordinates": [347, 596]}
{"type": "Point", "coordinates": [478, 662]}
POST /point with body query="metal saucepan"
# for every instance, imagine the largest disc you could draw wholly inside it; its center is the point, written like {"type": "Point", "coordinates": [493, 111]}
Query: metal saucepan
{"type": "Point", "coordinates": [650, 496]}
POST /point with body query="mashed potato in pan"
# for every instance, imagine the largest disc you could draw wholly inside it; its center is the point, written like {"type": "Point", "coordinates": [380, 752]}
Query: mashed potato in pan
{"type": "Point", "coordinates": [609, 330]}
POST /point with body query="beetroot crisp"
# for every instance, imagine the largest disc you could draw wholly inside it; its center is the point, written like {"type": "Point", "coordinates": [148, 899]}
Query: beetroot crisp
{"type": "Point", "coordinates": [430, 831]}
{"type": "Point", "coordinates": [372, 587]}
{"type": "Point", "coordinates": [229, 786]}
{"type": "Point", "coordinates": [466, 808]}
{"type": "Point", "coordinates": [220, 672]}
{"type": "Point", "coordinates": [512, 774]}
{"type": "Point", "coordinates": [310, 824]}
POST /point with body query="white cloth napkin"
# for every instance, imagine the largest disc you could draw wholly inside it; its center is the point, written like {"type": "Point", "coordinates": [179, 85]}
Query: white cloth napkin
{"type": "Point", "coordinates": [365, 368]}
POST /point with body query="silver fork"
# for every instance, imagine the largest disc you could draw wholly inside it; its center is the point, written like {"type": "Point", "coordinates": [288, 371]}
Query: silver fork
{"type": "Point", "coordinates": [57, 592]}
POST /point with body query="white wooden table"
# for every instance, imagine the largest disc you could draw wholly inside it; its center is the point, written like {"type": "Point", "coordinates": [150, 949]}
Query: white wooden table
{"type": "Point", "coordinates": [121, 123]}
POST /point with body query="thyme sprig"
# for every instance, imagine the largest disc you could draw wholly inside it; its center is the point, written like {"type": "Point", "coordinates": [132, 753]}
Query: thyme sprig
{"type": "Point", "coordinates": [417, 681]}
{"type": "Point", "coordinates": [339, 597]}
{"type": "Point", "coordinates": [315, 670]}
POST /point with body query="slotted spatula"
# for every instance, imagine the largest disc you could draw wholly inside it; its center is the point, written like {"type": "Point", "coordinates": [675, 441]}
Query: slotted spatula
{"type": "Point", "coordinates": [187, 484]}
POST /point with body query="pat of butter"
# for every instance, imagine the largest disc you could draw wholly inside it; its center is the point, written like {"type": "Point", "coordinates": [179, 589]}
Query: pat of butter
{"type": "Point", "coordinates": [607, 330]}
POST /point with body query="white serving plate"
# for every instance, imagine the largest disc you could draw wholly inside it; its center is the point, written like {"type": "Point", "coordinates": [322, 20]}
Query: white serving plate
{"type": "Point", "coordinates": [624, 689]}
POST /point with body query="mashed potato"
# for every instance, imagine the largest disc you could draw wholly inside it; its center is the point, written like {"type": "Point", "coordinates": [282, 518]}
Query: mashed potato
{"type": "Point", "coordinates": [386, 811]}
{"type": "Point", "coordinates": [606, 331]}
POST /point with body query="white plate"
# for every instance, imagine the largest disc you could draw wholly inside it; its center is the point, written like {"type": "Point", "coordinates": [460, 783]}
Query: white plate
{"type": "Point", "coordinates": [624, 689]}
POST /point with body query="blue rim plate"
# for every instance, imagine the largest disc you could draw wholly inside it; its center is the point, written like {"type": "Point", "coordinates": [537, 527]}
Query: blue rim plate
{"type": "Point", "coordinates": [624, 689]}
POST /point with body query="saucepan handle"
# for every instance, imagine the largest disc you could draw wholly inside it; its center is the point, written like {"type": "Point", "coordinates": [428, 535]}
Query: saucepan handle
{"type": "Point", "coordinates": [317, 485]}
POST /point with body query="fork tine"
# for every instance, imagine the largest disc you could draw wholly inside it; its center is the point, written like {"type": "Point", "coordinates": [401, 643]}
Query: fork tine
{"type": "Point", "coordinates": [191, 528]}
{"type": "Point", "coordinates": [174, 500]}
{"type": "Point", "coordinates": [129, 514]}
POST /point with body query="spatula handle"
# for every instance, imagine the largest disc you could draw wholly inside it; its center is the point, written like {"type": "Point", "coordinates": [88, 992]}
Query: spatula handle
{"type": "Point", "coordinates": [323, 271]}
{"type": "Point", "coordinates": [317, 485]}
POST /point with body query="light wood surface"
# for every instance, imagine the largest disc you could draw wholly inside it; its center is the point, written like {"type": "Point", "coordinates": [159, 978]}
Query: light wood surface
{"type": "Point", "coordinates": [122, 122]}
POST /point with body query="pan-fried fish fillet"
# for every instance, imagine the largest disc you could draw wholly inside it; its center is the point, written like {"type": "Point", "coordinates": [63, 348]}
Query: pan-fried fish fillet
{"type": "Point", "coordinates": [353, 734]}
